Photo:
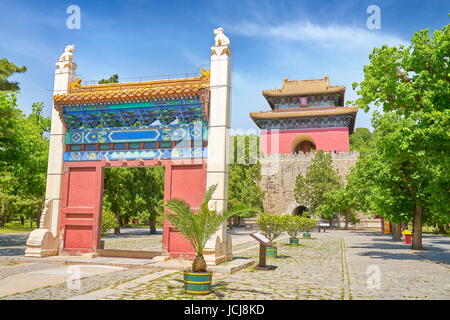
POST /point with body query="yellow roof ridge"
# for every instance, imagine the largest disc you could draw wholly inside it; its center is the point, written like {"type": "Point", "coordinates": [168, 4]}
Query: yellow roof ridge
{"type": "Point", "coordinates": [76, 86]}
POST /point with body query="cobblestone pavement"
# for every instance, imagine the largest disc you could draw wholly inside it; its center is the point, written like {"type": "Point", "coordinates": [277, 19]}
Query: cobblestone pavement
{"type": "Point", "coordinates": [140, 239]}
{"type": "Point", "coordinates": [403, 273]}
{"type": "Point", "coordinates": [87, 285]}
{"type": "Point", "coordinates": [331, 265]}
{"type": "Point", "coordinates": [13, 244]}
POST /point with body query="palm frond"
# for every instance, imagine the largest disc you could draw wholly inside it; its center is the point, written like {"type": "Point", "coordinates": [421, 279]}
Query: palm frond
{"type": "Point", "coordinates": [198, 227]}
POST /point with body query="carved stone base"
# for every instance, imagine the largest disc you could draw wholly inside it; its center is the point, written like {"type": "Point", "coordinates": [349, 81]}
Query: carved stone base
{"type": "Point", "coordinates": [229, 249]}
{"type": "Point", "coordinates": [218, 254]}
{"type": "Point", "coordinates": [41, 243]}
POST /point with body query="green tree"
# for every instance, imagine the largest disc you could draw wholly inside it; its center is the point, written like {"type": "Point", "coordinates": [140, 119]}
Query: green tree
{"type": "Point", "coordinates": [244, 175]}
{"type": "Point", "coordinates": [134, 193]}
{"type": "Point", "coordinates": [272, 226]}
{"type": "Point", "coordinates": [359, 138]}
{"type": "Point", "coordinates": [412, 85]}
{"type": "Point", "coordinates": [7, 69]}
{"type": "Point", "coordinates": [293, 225]}
{"type": "Point", "coordinates": [147, 194]}
{"type": "Point", "coordinates": [23, 158]}
{"type": "Point", "coordinates": [115, 194]}
{"type": "Point", "coordinates": [340, 201]}
{"type": "Point", "coordinates": [320, 178]}
{"type": "Point", "coordinates": [113, 79]}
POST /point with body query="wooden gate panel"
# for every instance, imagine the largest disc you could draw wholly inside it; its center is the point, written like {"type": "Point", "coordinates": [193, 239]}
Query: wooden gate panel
{"type": "Point", "coordinates": [80, 212]}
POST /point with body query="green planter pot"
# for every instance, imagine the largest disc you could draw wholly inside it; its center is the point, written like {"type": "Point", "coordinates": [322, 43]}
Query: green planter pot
{"type": "Point", "coordinates": [293, 241]}
{"type": "Point", "coordinates": [271, 252]}
{"type": "Point", "coordinates": [307, 235]}
{"type": "Point", "coordinates": [197, 282]}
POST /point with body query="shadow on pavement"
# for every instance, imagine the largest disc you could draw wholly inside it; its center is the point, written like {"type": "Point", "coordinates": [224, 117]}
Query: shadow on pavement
{"type": "Point", "coordinates": [132, 232]}
{"type": "Point", "coordinates": [13, 239]}
{"type": "Point", "coordinates": [12, 251]}
{"type": "Point", "coordinates": [437, 248]}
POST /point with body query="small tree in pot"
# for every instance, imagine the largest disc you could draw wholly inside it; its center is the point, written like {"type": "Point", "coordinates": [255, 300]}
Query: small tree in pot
{"type": "Point", "coordinates": [197, 227]}
{"type": "Point", "coordinates": [293, 226]}
{"type": "Point", "coordinates": [272, 227]}
{"type": "Point", "coordinates": [307, 226]}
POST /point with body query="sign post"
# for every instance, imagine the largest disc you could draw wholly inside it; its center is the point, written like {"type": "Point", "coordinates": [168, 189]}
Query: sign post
{"type": "Point", "coordinates": [263, 243]}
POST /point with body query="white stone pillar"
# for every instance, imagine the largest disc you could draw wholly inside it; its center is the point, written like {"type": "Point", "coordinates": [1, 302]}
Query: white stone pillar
{"type": "Point", "coordinates": [45, 240]}
{"type": "Point", "coordinates": [218, 248]}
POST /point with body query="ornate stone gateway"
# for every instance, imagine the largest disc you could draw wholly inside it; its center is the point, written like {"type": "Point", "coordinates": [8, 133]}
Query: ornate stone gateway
{"type": "Point", "coordinates": [152, 123]}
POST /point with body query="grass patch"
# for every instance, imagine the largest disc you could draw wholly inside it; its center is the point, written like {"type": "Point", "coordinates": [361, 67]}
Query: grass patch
{"type": "Point", "coordinates": [15, 226]}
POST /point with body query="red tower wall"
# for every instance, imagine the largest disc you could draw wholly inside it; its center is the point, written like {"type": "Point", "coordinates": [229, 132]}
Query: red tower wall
{"type": "Point", "coordinates": [284, 141]}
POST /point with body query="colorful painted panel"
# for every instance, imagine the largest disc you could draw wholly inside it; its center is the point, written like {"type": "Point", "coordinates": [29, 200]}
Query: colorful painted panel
{"type": "Point", "coordinates": [163, 154]}
{"type": "Point", "coordinates": [137, 134]}
{"type": "Point", "coordinates": [156, 129]}
{"type": "Point", "coordinates": [125, 115]}
{"type": "Point", "coordinates": [158, 103]}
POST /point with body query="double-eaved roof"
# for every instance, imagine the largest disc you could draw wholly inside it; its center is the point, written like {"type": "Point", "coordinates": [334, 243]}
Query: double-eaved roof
{"type": "Point", "coordinates": [303, 88]}
{"type": "Point", "coordinates": [292, 88]}
{"type": "Point", "coordinates": [295, 113]}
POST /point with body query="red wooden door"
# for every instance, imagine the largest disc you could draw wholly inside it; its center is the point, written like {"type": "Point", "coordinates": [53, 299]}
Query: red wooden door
{"type": "Point", "coordinates": [188, 183]}
{"type": "Point", "coordinates": [81, 207]}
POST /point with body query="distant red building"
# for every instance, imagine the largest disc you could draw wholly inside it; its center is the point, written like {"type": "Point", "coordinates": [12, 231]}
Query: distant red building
{"type": "Point", "coordinates": [306, 115]}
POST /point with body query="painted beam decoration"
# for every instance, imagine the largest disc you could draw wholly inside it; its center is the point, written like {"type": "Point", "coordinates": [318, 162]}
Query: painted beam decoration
{"type": "Point", "coordinates": [165, 119]}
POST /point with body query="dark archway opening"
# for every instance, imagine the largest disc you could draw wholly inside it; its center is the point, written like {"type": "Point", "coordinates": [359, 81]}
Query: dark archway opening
{"type": "Point", "coordinates": [305, 147]}
{"type": "Point", "coordinates": [301, 211]}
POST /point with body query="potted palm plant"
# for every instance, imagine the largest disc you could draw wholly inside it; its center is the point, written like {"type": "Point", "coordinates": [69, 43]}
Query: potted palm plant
{"type": "Point", "coordinates": [293, 225]}
{"type": "Point", "coordinates": [197, 227]}
{"type": "Point", "coordinates": [272, 227]}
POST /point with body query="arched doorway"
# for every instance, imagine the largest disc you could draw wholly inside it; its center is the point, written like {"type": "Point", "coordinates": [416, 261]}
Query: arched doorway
{"type": "Point", "coordinates": [305, 147]}
{"type": "Point", "coordinates": [303, 143]}
{"type": "Point", "coordinates": [300, 211]}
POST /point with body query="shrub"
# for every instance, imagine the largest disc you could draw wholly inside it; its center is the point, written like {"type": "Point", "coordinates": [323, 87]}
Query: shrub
{"type": "Point", "coordinates": [293, 225]}
{"type": "Point", "coordinates": [308, 224]}
{"type": "Point", "coordinates": [109, 221]}
{"type": "Point", "coordinates": [271, 226]}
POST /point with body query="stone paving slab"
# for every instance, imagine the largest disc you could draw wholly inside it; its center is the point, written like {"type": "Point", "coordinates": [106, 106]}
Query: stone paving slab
{"type": "Point", "coordinates": [91, 284]}
{"type": "Point", "coordinates": [103, 293]}
{"type": "Point", "coordinates": [382, 269]}
{"type": "Point", "coordinates": [332, 265]}
{"type": "Point", "coordinates": [48, 277]}
{"type": "Point", "coordinates": [319, 278]}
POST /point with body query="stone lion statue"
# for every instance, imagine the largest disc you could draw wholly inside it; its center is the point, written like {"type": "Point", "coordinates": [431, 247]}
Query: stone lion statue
{"type": "Point", "coordinates": [67, 55]}
{"type": "Point", "coordinates": [221, 39]}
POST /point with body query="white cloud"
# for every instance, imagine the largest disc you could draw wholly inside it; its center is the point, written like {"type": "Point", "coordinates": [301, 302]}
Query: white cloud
{"type": "Point", "coordinates": [336, 36]}
{"type": "Point", "coordinates": [194, 59]}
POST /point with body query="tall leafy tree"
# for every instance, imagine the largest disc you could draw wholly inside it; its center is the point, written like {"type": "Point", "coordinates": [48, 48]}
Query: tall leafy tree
{"type": "Point", "coordinates": [244, 175]}
{"type": "Point", "coordinates": [320, 178]}
{"type": "Point", "coordinates": [7, 69]}
{"type": "Point", "coordinates": [340, 201]}
{"type": "Point", "coordinates": [134, 193]}
{"type": "Point", "coordinates": [23, 159]}
{"type": "Point", "coordinates": [116, 196]}
{"type": "Point", "coordinates": [412, 85]}
{"type": "Point", "coordinates": [147, 194]}
{"type": "Point", "coordinates": [359, 138]}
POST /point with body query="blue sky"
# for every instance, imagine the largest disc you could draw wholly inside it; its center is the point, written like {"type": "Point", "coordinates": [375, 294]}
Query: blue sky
{"type": "Point", "coordinates": [271, 40]}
